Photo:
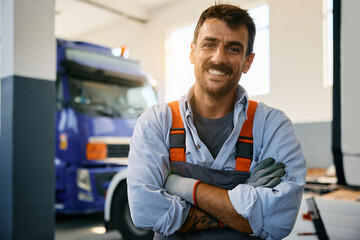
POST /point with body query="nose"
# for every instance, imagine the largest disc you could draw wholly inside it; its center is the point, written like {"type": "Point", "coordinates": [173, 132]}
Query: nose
{"type": "Point", "coordinates": [218, 55]}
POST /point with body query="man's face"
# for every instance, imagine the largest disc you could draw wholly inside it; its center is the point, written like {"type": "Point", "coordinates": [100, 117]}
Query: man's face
{"type": "Point", "coordinates": [219, 57]}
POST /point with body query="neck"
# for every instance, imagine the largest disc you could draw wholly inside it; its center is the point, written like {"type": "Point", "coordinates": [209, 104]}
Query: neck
{"type": "Point", "coordinates": [213, 107]}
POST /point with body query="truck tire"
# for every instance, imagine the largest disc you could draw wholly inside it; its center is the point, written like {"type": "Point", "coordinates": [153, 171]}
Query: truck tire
{"type": "Point", "coordinates": [120, 213]}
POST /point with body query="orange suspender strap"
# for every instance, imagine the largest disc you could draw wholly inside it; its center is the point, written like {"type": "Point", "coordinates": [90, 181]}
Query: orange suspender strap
{"type": "Point", "coordinates": [177, 134]}
{"type": "Point", "coordinates": [244, 146]}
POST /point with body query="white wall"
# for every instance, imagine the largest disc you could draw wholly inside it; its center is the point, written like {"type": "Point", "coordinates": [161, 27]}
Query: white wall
{"type": "Point", "coordinates": [296, 63]}
{"type": "Point", "coordinates": [295, 44]}
{"type": "Point", "coordinates": [17, 50]}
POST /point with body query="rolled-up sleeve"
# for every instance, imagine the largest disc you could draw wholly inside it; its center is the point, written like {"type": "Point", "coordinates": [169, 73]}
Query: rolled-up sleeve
{"type": "Point", "coordinates": [272, 212]}
{"type": "Point", "coordinates": [151, 206]}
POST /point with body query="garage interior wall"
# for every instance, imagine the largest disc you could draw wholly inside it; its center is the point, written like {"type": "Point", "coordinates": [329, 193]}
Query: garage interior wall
{"type": "Point", "coordinates": [296, 40]}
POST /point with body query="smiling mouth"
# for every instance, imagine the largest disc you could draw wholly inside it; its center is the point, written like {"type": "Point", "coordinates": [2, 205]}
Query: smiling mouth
{"type": "Point", "coordinates": [216, 72]}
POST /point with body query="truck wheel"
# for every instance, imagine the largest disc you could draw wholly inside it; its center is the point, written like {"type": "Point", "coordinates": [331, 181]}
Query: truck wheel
{"type": "Point", "coordinates": [120, 213]}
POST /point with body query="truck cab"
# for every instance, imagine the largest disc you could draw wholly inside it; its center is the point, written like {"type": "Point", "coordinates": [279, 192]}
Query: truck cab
{"type": "Point", "coordinates": [98, 99]}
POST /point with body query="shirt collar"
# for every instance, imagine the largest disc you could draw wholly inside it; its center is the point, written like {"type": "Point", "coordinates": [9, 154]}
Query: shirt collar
{"type": "Point", "coordinates": [187, 98]}
{"type": "Point", "coordinates": [242, 98]}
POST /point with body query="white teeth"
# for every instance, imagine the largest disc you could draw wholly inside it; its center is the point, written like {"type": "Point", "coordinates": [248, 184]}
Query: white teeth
{"type": "Point", "coordinates": [216, 72]}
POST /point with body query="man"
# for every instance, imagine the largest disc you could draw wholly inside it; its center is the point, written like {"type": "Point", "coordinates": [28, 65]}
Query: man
{"type": "Point", "coordinates": [240, 195]}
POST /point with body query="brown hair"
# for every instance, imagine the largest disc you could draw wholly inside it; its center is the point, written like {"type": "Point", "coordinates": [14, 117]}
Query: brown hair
{"type": "Point", "coordinates": [233, 16]}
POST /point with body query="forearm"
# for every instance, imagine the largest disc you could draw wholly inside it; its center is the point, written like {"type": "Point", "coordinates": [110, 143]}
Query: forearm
{"type": "Point", "coordinates": [198, 220]}
{"type": "Point", "coordinates": [212, 200]}
{"type": "Point", "coordinates": [215, 201]}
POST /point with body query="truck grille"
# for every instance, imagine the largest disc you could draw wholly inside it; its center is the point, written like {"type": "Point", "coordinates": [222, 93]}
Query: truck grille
{"type": "Point", "coordinates": [117, 150]}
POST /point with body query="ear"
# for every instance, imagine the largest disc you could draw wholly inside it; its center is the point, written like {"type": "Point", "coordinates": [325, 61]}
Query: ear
{"type": "Point", "coordinates": [192, 53]}
{"type": "Point", "coordinates": [248, 62]}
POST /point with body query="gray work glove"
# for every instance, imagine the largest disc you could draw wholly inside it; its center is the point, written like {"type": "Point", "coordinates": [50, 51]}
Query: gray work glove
{"type": "Point", "coordinates": [181, 186]}
{"type": "Point", "coordinates": [266, 174]}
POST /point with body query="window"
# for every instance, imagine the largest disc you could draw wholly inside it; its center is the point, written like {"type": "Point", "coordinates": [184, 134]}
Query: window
{"type": "Point", "coordinates": [179, 72]}
{"type": "Point", "coordinates": [328, 42]}
{"type": "Point", "coordinates": [257, 80]}
{"type": "Point", "coordinates": [102, 98]}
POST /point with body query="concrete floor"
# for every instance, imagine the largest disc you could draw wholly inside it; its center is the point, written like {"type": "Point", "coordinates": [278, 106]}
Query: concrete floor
{"type": "Point", "coordinates": [89, 227]}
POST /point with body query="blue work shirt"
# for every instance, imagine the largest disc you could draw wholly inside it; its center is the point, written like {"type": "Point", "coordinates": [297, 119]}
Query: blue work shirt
{"type": "Point", "coordinates": [271, 212]}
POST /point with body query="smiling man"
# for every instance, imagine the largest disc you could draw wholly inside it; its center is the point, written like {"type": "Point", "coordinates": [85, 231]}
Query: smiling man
{"type": "Point", "coordinates": [216, 165]}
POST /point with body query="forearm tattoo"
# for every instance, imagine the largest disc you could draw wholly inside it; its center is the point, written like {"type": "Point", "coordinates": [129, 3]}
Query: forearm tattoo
{"type": "Point", "coordinates": [198, 220]}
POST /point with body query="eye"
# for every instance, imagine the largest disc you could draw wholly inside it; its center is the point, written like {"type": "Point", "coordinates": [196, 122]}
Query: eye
{"type": "Point", "coordinates": [234, 50]}
{"type": "Point", "coordinates": [208, 45]}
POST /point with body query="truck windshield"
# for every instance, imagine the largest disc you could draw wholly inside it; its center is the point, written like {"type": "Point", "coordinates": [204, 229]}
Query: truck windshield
{"type": "Point", "coordinates": [110, 99]}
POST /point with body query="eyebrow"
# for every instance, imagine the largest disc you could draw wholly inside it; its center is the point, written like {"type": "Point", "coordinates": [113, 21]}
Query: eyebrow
{"type": "Point", "coordinates": [211, 39]}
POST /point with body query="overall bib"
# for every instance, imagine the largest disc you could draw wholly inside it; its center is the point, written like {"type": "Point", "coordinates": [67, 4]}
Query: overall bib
{"type": "Point", "coordinates": [219, 178]}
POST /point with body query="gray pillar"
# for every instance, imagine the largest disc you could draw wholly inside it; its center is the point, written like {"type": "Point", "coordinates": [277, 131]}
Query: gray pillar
{"type": "Point", "coordinates": [27, 119]}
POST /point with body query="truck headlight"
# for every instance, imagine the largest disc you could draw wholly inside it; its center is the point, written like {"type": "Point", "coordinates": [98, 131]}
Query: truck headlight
{"type": "Point", "coordinates": [83, 179]}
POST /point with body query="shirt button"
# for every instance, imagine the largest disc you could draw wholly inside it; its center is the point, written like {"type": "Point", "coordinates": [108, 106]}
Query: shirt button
{"type": "Point", "coordinates": [198, 146]}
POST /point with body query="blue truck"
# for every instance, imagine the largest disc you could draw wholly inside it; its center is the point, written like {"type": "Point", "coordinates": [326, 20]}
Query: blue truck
{"type": "Point", "coordinates": [98, 98]}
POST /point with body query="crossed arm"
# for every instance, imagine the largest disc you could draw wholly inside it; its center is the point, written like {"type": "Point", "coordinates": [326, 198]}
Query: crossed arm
{"type": "Point", "coordinates": [209, 212]}
{"type": "Point", "coordinates": [214, 205]}
{"type": "Point", "coordinates": [198, 220]}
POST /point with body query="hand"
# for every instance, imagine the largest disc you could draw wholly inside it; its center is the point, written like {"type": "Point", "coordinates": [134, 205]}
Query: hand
{"type": "Point", "coordinates": [267, 174]}
{"type": "Point", "coordinates": [181, 186]}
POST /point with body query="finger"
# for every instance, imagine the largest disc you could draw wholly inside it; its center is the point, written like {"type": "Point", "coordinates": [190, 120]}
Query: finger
{"type": "Point", "coordinates": [279, 164]}
{"type": "Point", "coordinates": [262, 181]}
{"type": "Point", "coordinates": [273, 183]}
{"type": "Point", "coordinates": [264, 164]}
{"type": "Point", "coordinates": [264, 172]}
{"type": "Point", "coordinates": [268, 170]}
{"type": "Point", "coordinates": [279, 173]}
